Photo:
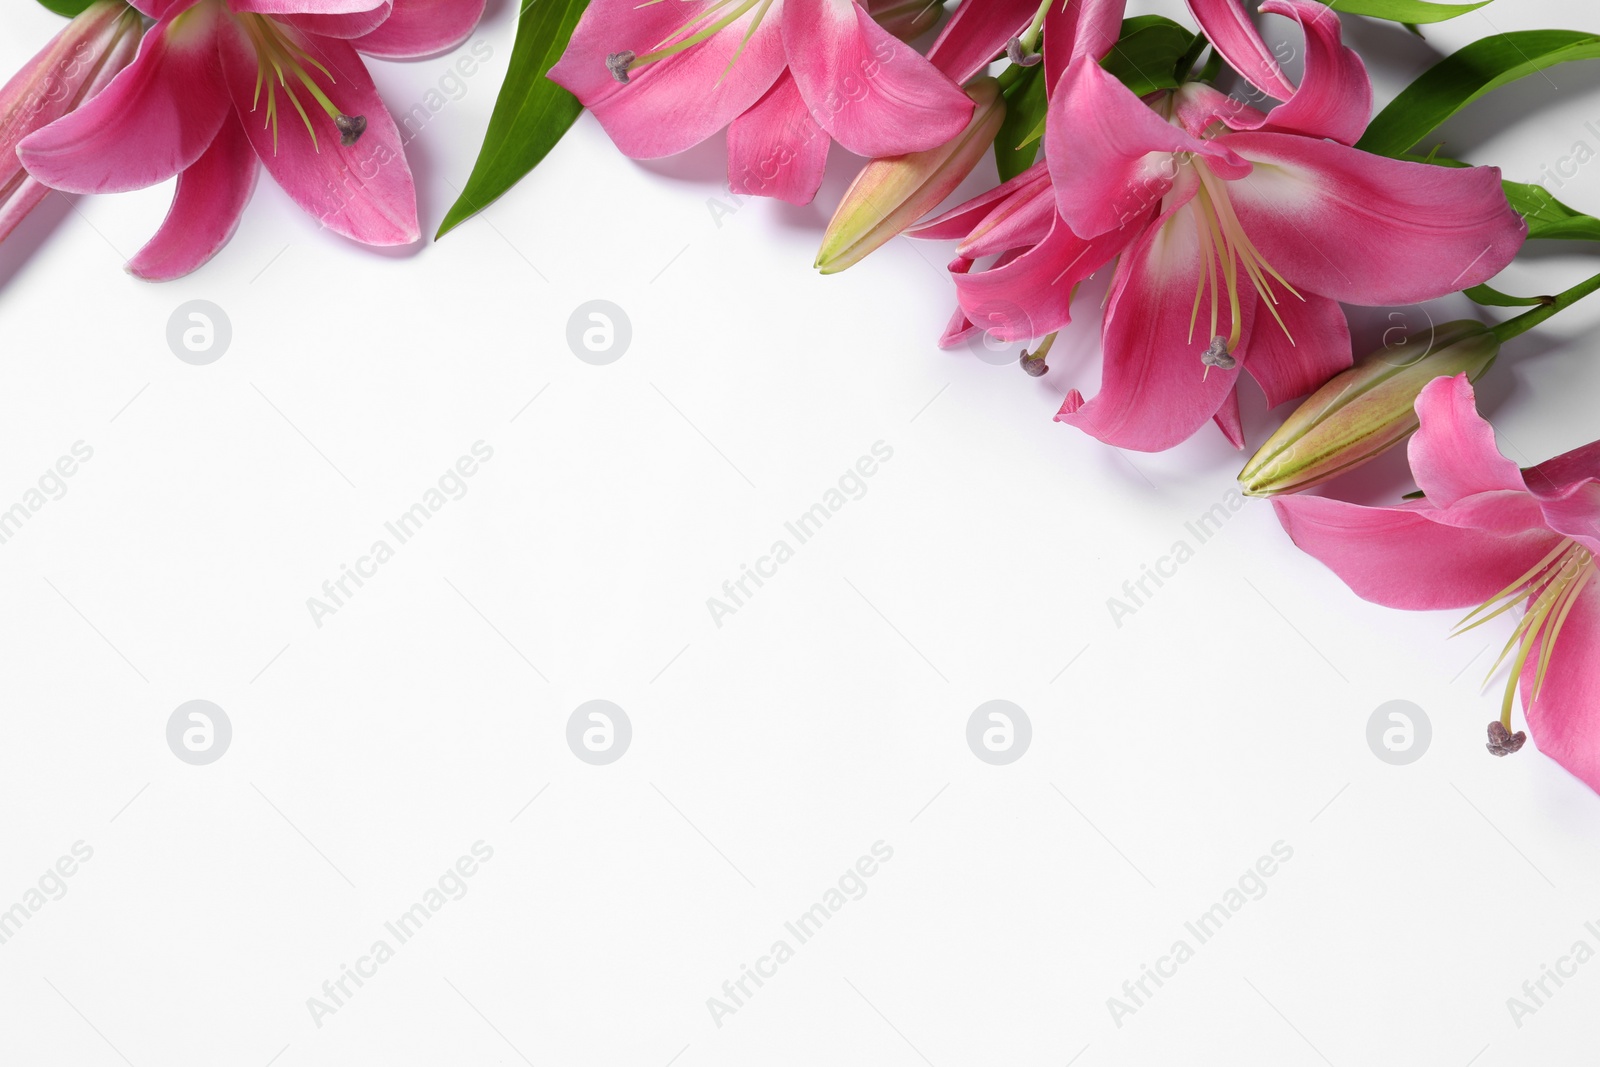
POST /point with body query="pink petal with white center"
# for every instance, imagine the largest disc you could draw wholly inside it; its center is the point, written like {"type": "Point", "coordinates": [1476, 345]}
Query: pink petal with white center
{"type": "Point", "coordinates": [206, 208]}
{"type": "Point", "coordinates": [672, 103]}
{"type": "Point", "coordinates": [1111, 157]}
{"type": "Point", "coordinates": [977, 34]}
{"type": "Point", "coordinates": [776, 149]}
{"type": "Point", "coordinates": [1564, 718]}
{"type": "Point", "coordinates": [1316, 347]}
{"type": "Point", "coordinates": [152, 121]}
{"type": "Point", "coordinates": [1029, 294]}
{"type": "Point", "coordinates": [345, 25]}
{"type": "Point", "coordinates": [873, 92]}
{"type": "Point", "coordinates": [1400, 558]}
{"type": "Point", "coordinates": [1154, 390]}
{"type": "Point", "coordinates": [1364, 229]}
{"type": "Point", "coordinates": [1335, 95]}
{"type": "Point", "coordinates": [1236, 39]}
{"type": "Point", "coordinates": [363, 191]}
{"type": "Point", "coordinates": [1453, 455]}
{"type": "Point", "coordinates": [422, 28]}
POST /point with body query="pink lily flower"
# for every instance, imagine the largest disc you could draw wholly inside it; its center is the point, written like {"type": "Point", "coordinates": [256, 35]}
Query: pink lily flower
{"type": "Point", "coordinates": [784, 76]}
{"type": "Point", "coordinates": [1244, 232]}
{"type": "Point", "coordinates": [1486, 534]}
{"type": "Point", "coordinates": [1026, 290]}
{"type": "Point", "coordinates": [76, 64]}
{"type": "Point", "coordinates": [220, 84]}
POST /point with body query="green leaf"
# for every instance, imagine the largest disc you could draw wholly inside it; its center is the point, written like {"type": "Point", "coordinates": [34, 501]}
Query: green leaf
{"type": "Point", "coordinates": [1482, 294]}
{"type": "Point", "coordinates": [1145, 58]}
{"type": "Point", "coordinates": [1548, 218]}
{"type": "Point", "coordinates": [69, 8]}
{"type": "Point", "coordinates": [1458, 79]}
{"type": "Point", "coordinates": [1016, 146]}
{"type": "Point", "coordinates": [1405, 11]}
{"type": "Point", "coordinates": [531, 113]}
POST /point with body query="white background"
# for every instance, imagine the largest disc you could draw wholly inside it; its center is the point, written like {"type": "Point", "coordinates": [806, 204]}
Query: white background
{"type": "Point", "coordinates": [829, 713]}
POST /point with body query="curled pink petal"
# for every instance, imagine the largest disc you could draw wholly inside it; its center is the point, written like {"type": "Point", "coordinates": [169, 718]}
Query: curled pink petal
{"type": "Point", "coordinates": [152, 121]}
{"type": "Point", "coordinates": [422, 28]}
{"type": "Point", "coordinates": [1564, 718]}
{"type": "Point", "coordinates": [1315, 348]}
{"type": "Point", "coordinates": [206, 208]}
{"type": "Point", "coordinates": [1230, 31]}
{"type": "Point", "coordinates": [1453, 455]}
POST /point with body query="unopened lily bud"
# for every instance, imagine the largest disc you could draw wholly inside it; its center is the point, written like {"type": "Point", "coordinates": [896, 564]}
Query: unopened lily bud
{"type": "Point", "coordinates": [906, 19]}
{"type": "Point", "coordinates": [890, 194]}
{"type": "Point", "coordinates": [73, 67]}
{"type": "Point", "coordinates": [1364, 411]}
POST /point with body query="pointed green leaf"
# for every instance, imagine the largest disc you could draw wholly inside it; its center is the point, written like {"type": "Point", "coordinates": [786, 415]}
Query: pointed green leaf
{"type": "Point", "coordinates": [531, 113]}
{"type": "Point", "coordinates": [1404, 11]}
{"type": "Point", "coordinates": [1462, 77]}
{"type": "Point", "coordinates": [1548, 218]}
{"type": "Point", "coordinates": [1015, 146]}
{"type": "Point", "coordinates": [1145, 57]}
{"type": "Point", "coordinates": [69, 8]}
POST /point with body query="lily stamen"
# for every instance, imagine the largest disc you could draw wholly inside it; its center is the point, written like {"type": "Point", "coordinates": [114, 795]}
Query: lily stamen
{"type": "Point", "coordinates": [1548, 590]}
{"type": "Point", "coordinates": [621, 64]}
{"type": "Point", "coordinates": [274, 49]}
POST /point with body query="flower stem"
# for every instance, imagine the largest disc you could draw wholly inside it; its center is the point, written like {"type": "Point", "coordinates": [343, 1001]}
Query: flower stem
{"type": "Point", "coordinates": [1529, 319]}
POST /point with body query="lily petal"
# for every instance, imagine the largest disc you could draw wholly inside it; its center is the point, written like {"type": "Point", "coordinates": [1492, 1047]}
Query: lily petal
{"type": "Point", "coordinates": [873, 92]}
{"type": "Point", "coordinates": [1400, 558]}
{"type": "Point", "coordinates": [153, 120]}
{"type": "Point", "coordinates": [1029, 294]}
{"type": "Point", "coordinates": [1111, 157]}
{"type": "Point", "coordinates": [1453, 455]}
{"type": "Point", "coordinates": [1320, 348]}
{"type": "Point", "coordinates": [1334, 98]}
{"type": "Point", "coordinates": [776, 148]}
{"type": "Point", "coordinates": [1079, 28]}
{"type": "Point", "coordinates": [344, 25]}
{"type": "Point", "coordinates": [977, 33]}
{"type": "Point", "coordinates": [1154, 390]}
{"type": "Point", "coordinates": [1230, 31]}
{"type": "Point", "coordinates": [1364, 229]}
{"type": "Point", "coordinates": [417, 28]}
{"type": "Point", "coordinates": [363, 191]}
{"type": "Point", "coordinates": [1565, 717]}
{"type": "Point", "coordinates": [960, 221]}
{"type": "Point", "coordinates": [675, 102]}
{"type": "Point", "coordinates": [210, 198]}
{"type": "Point", "coordinates": [279, 8]}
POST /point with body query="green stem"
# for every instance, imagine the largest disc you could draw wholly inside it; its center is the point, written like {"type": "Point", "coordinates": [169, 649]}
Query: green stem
{"type": "Point", "coordinates": [1030, 36]}
{"type": "Point", "coordinates": [1529, 319]}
